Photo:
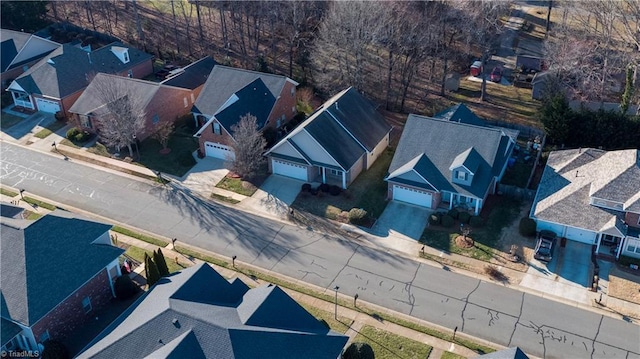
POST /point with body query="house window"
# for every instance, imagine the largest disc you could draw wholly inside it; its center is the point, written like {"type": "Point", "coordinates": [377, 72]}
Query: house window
{"type": "Point", "coordinates": [44, 336]}
{"type": "Point", "coordinates": [293, 91]}
{"type": "Point", "coordinates": [130, 73]}
{"type": "Point", "coordinates": [335, 172]}
{"type": "Point", "coordinates": [126, 57]}
{"type": "Point", "coordinates": [186, 103]}
{"type": "Point", "coordinates": [84, 121]}
{"type": "Point", "coordinates": [216, 128]}
{"type": "Point", "coordinates": [278, 123]}
{"type": "Point", "coordinates": [462, 175]}
{"type": "Point", "coordinates": [193, 98]}
{"type": "Point", "coordinates": [156, 119]}
{"type": "Point", "coordinates": [86, 304]}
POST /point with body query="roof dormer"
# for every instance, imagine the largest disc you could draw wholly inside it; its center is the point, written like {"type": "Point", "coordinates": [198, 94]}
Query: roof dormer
{"type": "Point", "coordinates": [465, 166]}
{"type": "Point", "coordinates": [122, 53]}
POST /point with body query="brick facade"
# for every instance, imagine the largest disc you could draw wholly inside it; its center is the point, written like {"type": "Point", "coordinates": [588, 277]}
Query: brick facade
{"type": "Point", "coordinates": [169, 104]}
{"type": "Point", "coordinates": [632, 219]}
{"type": "Point", "coordinates": [69, 315]}
{"type": "Point", "coordinates": [208, 136]}
{"type": "Point", "coordinates": [140, 70]}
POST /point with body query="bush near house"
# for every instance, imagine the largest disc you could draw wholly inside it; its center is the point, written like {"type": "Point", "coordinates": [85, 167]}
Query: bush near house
{"type": "Point", "coordinates": [357, 216]}
{"type": "Point", "coordinates": [54, 349]}
{"type": "Point", "coordinates": [527, 227]}
{"type": "Point", "coordinates": [358, 351]}
{"type": "Point", "coordinates": [626, 261]}
{"type": "Point", "coordinates": [476, 221]}
{"type": "Point", "coordinates": [453, 213]}
{"type": "Point", "coordinates": [125, 288]}
{"type": "Point", "coordinates": [447, 221]}
{"type": "Point", "coordinates": [435, 218]}
{"type": "Point", "coordinates": [464, 217]}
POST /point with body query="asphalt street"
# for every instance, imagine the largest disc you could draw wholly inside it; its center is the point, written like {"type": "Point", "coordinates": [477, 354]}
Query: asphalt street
{"type": "Point", "coordinates": [539, 326]}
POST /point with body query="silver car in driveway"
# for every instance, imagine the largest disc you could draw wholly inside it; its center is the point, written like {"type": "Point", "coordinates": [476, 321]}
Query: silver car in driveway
{"type": "Point", "coordinates": [545, 246]}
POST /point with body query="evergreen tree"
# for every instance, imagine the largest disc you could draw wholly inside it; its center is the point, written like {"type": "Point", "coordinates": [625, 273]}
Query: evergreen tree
{"type": "Point", "coordinates": [628, 92]}
{"type": "Point", "coordinates": [151, 270]}
{"type": "Point", "coordinates": [557, 117]}
{"type": "Point", "coordinates": [161, 263]}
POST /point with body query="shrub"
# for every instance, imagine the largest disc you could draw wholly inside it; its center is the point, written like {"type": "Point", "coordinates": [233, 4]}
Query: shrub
{"type": "Point", "coordinates": [334, 190]}
{"type": "Point", "coordinates": [347, 194]}
{"type": "Point", "coordinates": [626, 261]}
{"type": "Point", "coordinates": [72, 133]}
{"type": "Point", "coordinates": [324, 188]}
{"type": "Point", "coordinates": [81, 136]}
{"type": "Point", "coordinates": [343, 217]}
{"type": "Point", "coordinates": [313, 191]}
{"type": "Point", "coordinates": [453, 213]}
{"type": "Point", "coordinates": [59, 116]}
{"type": "Point", "coordinates": [464, 217]}
{"type": "Point", "coordinates": [358, 351]}
{"type": "Point", "coordinates": [125, 288]}
{"type": "Point", "coordinates": [527, 227]}
{"type": "Point", "coordinates": [434, 218]}
{"type": "Point", "coordinates": [270, 135]}
{"type": "Point", "coordinates": [306, 187]}
{"type": "Point", "coordinates": [357, 216]}
{"type": "Point", "coordinates": [54, 349]}
{"type": "Point", "coordinates": [476, 221]}
{"type": "Point", "coordinates": [447, 221]}
{"type": "Point", "coordinates": [186, 159]}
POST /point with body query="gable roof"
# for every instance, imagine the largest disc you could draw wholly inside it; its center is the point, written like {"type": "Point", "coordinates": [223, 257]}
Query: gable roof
{"type": "Point", "coordinates": [193, 75]}
{"type": "Point", "coordinates": [445, 143]}
{"type": "Point", "coordinates": [346, 126]}
{"type": "Point", "coordinates": [199, 311]}
{"type": "Point", "coordinates": [463, 114]}
{"type": "Point", "coordinates": [254, 99]}
{"type": "Point", "coordinates": [40, 262]}
{"type": "Point", "coordinates": [571, 177]}
{"type": "Point", "coordinates": [18, 48]}
{"type": "Point", "coordinates": [469, 159]}
{"type": "Point", "coordinates": [69, 69]}
{"type": "Point", "coordinates": [225, 81]}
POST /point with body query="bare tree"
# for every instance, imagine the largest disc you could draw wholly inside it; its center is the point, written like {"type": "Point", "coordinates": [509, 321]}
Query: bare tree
{"type": "Point", "coordinates": [248, 146]}
{"type": "Point", "coordinates": [122, 115]}
{"type": "Point", "coordinates": [163, 132]}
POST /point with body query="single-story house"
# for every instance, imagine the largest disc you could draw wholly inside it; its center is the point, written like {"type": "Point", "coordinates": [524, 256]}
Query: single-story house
{"type": "Point", "coordinates": [448, 164]}
{"type": "Point", "coordinates": [56, 81]}
{"type": "Point", "coordinates": [19, 51]}
{"type": "Point", "coordinates": [197, 313]}
{"type": "Point", "coordinates": [56, 272]}
{"type": "Point", "coordinates": [461, 113]}
{"type": "Point", "coordinates": [161, 102]}
{"type": "Point", "coordinates": [231, 93]}
{"type": "Point", "coordinates": [342, 138]}
{"type": "Point", "coordinates": [592, 196]}
{"type": "Point", "coordinates": [192, 76]}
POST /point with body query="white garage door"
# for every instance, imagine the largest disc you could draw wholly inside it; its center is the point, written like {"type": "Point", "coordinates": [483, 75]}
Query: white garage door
{"type": "Point", "coordinates": [219, 151]}
{"type": "Point", "coordinates": [289, 169]}
{"type": "Point", "coordinates": [580, 235]}
{"type": "Point", "coordinates": [47, 105]}
{"type": "Point", "coordinates": [548, 226]}
{"type": "Point", "coordinates": [413, 196]}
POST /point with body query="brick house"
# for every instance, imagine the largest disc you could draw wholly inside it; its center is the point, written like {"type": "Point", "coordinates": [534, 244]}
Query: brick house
{"type": "Point", "coordinates": [161, 102]}
{"type": "Point", "coordinates": [19, 51]}
{"type": "Point", "coordinates": [56, 271]}
{"type": "Point", "coordinates": [231, 93]}
{"type": "Point", "coordinates": [56, 81]}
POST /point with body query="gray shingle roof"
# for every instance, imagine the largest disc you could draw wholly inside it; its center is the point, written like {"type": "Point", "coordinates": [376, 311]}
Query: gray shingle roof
{"type": "Point", "coordinates": [193, 75]}
{"type": "Point", "coordinates": [45, 261]}
{"type": "Point", "coordinates": [200, 311]}
{"type": "Point", "coordinates": [69, 69]}
{"type": "Point", "coordinates": [572, 176]}
{"type": "Point", "coordinates": [224, 81]}
{"type": "Point", "coordinates": [335, 140]}
{"type": "Point", "coordinates": [255, 99]}
{"type": "Point", "coordinates": [8, 330]}
{"type": "Point", "coordinates": [442, 142]}
{"type": "Point", "coordinates": [461, 113]}
{"type": "Point", "coordinates": [11, 43]}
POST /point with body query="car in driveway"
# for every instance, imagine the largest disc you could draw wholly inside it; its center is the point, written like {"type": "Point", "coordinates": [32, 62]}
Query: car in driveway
{"type": "Point", "coordinates": [545, 245]}
{"type": "Point", "coordinates": [496, 74]}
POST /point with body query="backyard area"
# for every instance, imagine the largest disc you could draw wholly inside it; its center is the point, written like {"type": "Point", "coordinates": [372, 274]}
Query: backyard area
{"type": "Point", "coordinates": [368, 191]}
{"type": "Point", "coordinates": [498, 212]}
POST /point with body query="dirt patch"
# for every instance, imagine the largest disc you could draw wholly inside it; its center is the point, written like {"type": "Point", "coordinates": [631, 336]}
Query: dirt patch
{"type": "Point", "coordinates": [623, 285]}
{"type": "Point", "coordinates": [464, 242]}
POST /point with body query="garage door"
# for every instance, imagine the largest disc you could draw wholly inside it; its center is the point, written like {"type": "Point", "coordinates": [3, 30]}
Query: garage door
{"type": "Point", "coordinates": [289, 169]}
{"type": "Point", "coordinates": [219, 151]}
{"type": "Point", "coordinates": [580, 235]}
{"type": "Point", "coordinates": [48, 106]}
{"type": "Point", "coordinates": [548, 226]}
{"type": "Point", "coordinates": [413, 196]}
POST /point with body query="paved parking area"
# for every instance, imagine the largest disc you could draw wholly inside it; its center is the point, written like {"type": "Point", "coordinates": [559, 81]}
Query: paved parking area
{"type": "Point", "coordinates": [24, 127]}
{"type": "Point", "coordinates": [274, 196]}
{"type": "Point", "coordinates": [205, 175]}
{"type": "Point", "coordinates": [404, 219]}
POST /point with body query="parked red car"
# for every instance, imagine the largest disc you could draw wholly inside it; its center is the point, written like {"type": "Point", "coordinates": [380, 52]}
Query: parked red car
{"type": "Point", "coordinates": [496, 74]}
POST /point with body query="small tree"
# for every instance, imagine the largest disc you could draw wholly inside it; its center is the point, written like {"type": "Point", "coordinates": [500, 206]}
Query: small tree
{"type": "Point", "coordinates": [358, 351]}
{"type": "Point", "coordinates": [125, 288]}
{"type": "Point", "coordinates": [161, 263]}
{"type": "Point", "coordinates": [162, 134]}
{"type": "Point", "coordinates": [248, 146]}
{"type": "Point", "coordinates": [628, 91]}
{"type": "Point", "coordinates": [151, 270]}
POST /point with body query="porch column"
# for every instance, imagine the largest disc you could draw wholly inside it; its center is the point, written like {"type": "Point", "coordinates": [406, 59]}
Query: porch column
{"type": "Point", "coordinates": [344, 180]}
{"type": "Point", "coordinates": [451, 200]}
{"type": "Point", "coordinates": [620, 247]}
{"type": "Point", "coordinates": [477, 205]}
{"type": "Point", "coordinates": [324, 174]}
{"type": "Point", "coordinates": [598, 240]}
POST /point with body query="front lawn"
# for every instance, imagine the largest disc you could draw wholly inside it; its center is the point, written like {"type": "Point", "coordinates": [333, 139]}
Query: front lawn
{"type": "Point", "coordinates": [389, 345]}
{"type": "Point", "coordinates": [8, 120]}
{"type": "Point", "coordinates": [138, 254]}
{"type": "Point", "coordinates": [341, 325]}
{"type": "Point", "coordinates": [498, 212]}
{"type": "Point", "coordinates": [368, 191]}
{"type": "Point", "coordinates": [237, 185]}
{"type": "Point", "coordinates": [182, 144]}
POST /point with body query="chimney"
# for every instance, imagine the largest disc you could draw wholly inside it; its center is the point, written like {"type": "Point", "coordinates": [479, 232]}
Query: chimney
{"type": "Point", "coordinates": [89, 56]}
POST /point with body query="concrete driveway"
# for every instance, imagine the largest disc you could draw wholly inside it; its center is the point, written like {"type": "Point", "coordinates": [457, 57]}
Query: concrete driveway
{"type": "Point", "coordinates": [565, 276]}
{"type": "Point", "coordinates": [24, 127]}
{"type": "Point", "coordinates": [404, 219]}
{"type": "Point", "coordinates": [274, 196]}
{"type": "Point", "coordinates": [205, 175]}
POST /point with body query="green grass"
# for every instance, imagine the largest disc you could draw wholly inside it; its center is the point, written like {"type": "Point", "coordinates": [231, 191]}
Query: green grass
{"type": "Point", "coordinates": [7, 192]}
{"type": "Point", "coordinates": [342, 302]}
{"type": "Point", "coordinates": [140, 236]}
{"type": "Point", "coordinates": [179, 160]}
{"type": "Point", "coordinates": [341, 325]}
{"type": "Point", "coordinates": [39, 203]}
{"type": "Point", "coordinates": [138, 254]}
{"type": "Point", "coordinates": [518, 175]}
{"type": "Point", "coordinates": [8, 120]}
{"type": "Point", "coordinates": [502, 214]}
{"type": "Point", "coordinates": [224, 198]}
{"type": "Point", "coordinates": [49, 129]}
{"type": "Point", "coordinates": [99, 149]}
{"type": "Point", "coordinates": [450, 355]}
{"type": "Point", "coordinates": [31, 216]}
{"type": "Point", "coordinates": [389, 345]}
{"type": "Point", "coordinates": [236, 185]}
{"type": "Point", "coordinates": [66, 142]}
{"type": "Point", "coordinates": [368, 191]}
